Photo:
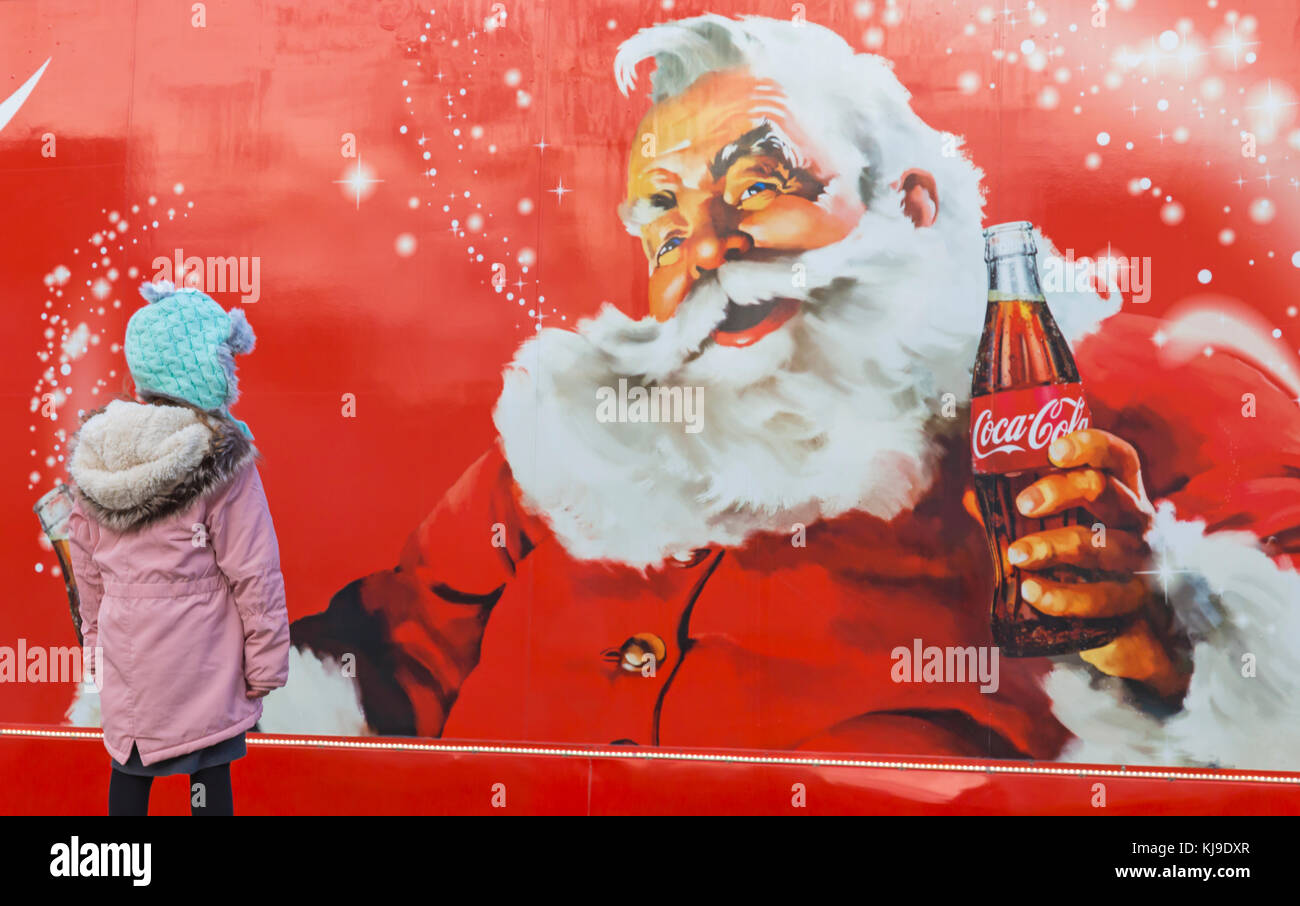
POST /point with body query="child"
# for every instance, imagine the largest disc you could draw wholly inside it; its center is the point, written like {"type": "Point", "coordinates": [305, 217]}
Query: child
{"type": "Point", "coordinates": [175, 557]}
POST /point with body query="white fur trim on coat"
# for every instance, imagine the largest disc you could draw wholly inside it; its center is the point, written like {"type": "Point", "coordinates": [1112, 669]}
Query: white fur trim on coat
{"type": "Point", "coordinates": [131, 453]}
{"type": "Point", "coordinates": [318, 699]}
{"type": "Point", "coordinates": [1237, 606]}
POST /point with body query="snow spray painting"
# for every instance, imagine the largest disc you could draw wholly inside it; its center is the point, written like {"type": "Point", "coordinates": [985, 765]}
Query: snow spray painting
{"type": "Point", "coordinates": [474, 226]}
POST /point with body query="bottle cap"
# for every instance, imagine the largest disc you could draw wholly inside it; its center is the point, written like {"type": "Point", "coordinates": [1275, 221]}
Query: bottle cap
{"type": "Point", "coordinates": [1013, 238]}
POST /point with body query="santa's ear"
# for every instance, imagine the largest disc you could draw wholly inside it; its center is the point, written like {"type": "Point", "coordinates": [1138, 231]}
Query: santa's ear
{"type": "Point", "coordinates": [920, 197]}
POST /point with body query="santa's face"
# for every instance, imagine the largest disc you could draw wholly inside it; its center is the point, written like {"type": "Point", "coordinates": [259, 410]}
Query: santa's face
{"type": "Point", "coordinates": [724, 172]}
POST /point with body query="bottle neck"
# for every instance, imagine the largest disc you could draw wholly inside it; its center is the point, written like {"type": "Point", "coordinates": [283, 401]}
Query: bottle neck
{"type": "Point", "coordinates": [1014, 277]}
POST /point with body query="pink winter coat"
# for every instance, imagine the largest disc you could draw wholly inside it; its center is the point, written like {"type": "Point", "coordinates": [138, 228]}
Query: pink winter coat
{"type": "Point", "coordinates": [178, 574]}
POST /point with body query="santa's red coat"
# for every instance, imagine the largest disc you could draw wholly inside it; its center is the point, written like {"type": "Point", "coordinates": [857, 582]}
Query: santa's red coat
{"type": "Point", "coordinates": [773, 646]}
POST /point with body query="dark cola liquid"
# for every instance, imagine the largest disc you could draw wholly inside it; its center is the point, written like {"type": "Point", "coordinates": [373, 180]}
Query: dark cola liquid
{"type": "Point", "coordinates": [1022, 348]}
{"type": "Point", "coordinates": [1018, 629]}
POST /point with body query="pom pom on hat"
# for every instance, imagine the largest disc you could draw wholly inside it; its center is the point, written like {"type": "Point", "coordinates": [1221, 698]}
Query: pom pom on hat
{"type": "Point", "coordinates": [242, 338]}
{"type": "Point", "coordinates": [154, 292]}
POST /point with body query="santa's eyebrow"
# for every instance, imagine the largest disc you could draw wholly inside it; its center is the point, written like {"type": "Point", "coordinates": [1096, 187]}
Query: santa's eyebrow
{"type": "Point", "coordinates": [762, 139]}
{"type": "Point", "coordinates": [640, 212]}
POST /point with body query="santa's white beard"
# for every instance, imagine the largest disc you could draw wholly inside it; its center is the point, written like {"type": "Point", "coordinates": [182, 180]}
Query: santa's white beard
{"type": "Point", "coordinates": [837, 410]}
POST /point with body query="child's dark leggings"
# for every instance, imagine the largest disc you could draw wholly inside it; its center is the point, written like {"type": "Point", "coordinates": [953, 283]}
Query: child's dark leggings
{"type": "Point", "coordinates": [128, 794]}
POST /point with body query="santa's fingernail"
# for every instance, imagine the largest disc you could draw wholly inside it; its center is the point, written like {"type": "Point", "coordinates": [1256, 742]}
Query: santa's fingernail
{"type": "Point", "coordinates": [1060, 449]}
{"type": "Point", "coordinates": [1029, 500]}
{"type": "Point", "coordinates": [1017, 554]}
{"type": "Point", "coordinates": [1030, 590]}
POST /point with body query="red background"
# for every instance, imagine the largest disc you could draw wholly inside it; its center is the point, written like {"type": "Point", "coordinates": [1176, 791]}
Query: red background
{"type": "Point", "coordinates": [297, 776]}
{"type": "Point", "coordinates": [248, 113]}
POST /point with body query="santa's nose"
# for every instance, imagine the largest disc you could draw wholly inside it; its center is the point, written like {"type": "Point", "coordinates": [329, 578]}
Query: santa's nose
{"type": "Point", "coordinates": [703, 254]}
{"type": "Point", "coordinates": [711, 250]}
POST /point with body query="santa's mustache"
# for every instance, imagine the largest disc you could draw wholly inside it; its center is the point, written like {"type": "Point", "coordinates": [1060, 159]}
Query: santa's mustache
{"type": "Point", "coordinates": [825, 414]}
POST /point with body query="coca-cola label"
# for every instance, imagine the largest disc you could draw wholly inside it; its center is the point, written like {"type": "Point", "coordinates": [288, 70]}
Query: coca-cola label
{"type": "Point", "coordinates": [1010, 431]}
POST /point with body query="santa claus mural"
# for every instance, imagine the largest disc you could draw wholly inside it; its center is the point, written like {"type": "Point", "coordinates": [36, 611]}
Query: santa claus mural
{"type": "Point", "coordinates": [716, 526]}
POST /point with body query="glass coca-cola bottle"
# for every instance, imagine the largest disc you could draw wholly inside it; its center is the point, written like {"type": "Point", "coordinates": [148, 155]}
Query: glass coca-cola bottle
{"type": "Point", "coordinates": [1025, 393]}
{"type": "Point", "coordinates": [53, 510]}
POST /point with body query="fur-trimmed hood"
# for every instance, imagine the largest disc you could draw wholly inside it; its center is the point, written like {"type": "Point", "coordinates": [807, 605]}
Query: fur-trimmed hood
{"type": "Point", "coordinates": [135, 463]}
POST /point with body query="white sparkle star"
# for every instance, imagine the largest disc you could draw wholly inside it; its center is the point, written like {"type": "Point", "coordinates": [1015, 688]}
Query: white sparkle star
{"type": "Point", "coordinates": [360, 181]}
{"type": "Point", "coordinates": [1235, 44]}
{"type": "Point", "coordinates": [559, 191]}
{"type": "Point", "coordinates": [1165, 572]}
{"type": "Point", "coordinates": [1270, 105]}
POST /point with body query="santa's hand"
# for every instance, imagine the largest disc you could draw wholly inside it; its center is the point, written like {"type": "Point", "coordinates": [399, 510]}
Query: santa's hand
{"type": "Point", "coordinates": [1103, 475]}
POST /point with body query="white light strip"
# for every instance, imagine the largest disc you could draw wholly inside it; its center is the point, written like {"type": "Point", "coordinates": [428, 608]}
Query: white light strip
{"type": "Point", "coordinates": [631, 752]}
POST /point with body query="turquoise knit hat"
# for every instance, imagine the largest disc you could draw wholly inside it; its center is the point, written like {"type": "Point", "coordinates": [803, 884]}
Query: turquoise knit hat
{"type": "Point", "coordinates": [182, 345]}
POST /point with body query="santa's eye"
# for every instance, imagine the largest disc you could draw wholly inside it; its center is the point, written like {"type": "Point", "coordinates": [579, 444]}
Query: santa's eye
{"type": "Point", "coordinates": [664, 201]}
{"type": "Point", "coordinates": [667, 247]}
{"type": "Point", "coordinates": [756, 188]}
